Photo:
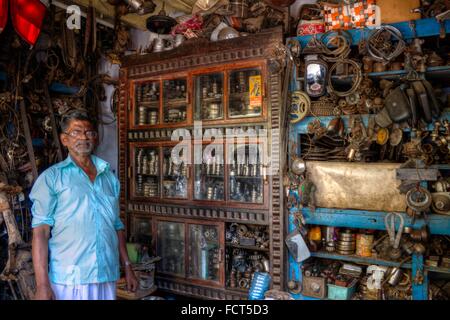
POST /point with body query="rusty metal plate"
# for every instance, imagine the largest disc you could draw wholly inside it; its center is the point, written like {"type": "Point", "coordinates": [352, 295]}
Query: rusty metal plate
{"type": "Point", "coordinates": [361, 186]}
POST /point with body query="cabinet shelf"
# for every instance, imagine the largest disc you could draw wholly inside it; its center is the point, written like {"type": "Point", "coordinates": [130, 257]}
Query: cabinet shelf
{"type": "Point", "coordinates": [358, 259]}
{"type": "Point", "coordinates": [148, 104]}
{"type": "Point", "coordinates": [248, 178]}
{"type": "Point", "coordinates": [175, 103]}
{"type": "Point", "coordinates": [212, 99]}
{"type": "Point", "coordinates": [255, 248]}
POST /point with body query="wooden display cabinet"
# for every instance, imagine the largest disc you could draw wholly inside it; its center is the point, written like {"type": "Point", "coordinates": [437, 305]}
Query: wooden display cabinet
{"type": "Point", "coordinates": [232, 87]}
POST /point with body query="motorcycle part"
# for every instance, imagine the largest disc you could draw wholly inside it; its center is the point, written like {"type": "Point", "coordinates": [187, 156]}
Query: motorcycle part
{"type": "Point", "coordinates": [441, 202]}
{"type": "Point", "coordinates": [27, 17]}
{"type": "Point", "coordinates": [383, 119]}
{"type": "Point", "coordinates": [423, 100]}
{"type": "Point", "coordinates": [298, 166]}
{"type": "Point", "coordinates": [419, 199]}
{"type": "Point", "coordinates": [382, 136]}
{"type": "Point", "coordinates": [413, 105]}
{"type": "Point", "coordinates": [379, 43]}
{"type": "Point", "coordinates": [300, 106]}
{"type": "Point", "coordinates": [435, 105]}
{"type": "Point", "coordinates": [397, 106]}
{"type": "Point", "coordinates": [3, 14]}
{"type": "Point", "coordinates": [396, 137]}
{"type": "Point", "coordinates": [389, 221]}
{"type": "Point", "coordinates": [316, 72]}
{"type": "Point", "coordinates": [356, 79]}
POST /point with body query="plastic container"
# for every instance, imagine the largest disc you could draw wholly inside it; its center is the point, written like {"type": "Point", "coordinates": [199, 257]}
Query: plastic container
{"type": "Point", "coordinates": [260, 284]}
{"type": "Point", "coordinates": [341, 293]}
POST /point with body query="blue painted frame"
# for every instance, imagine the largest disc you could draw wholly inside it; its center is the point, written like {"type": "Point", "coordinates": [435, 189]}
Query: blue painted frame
{"type": "Point", "coordinates": [438, 224]}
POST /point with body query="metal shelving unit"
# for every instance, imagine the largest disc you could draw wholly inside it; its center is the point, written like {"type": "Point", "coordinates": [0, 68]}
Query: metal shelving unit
{"type": "Point", "coordinates": [438, 224]}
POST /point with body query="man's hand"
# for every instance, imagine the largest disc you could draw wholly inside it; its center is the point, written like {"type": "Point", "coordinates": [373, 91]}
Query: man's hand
{"type": "Point", "coordinates": [44, 293]}
{"type": "Point", "coordinates": [132, 283]}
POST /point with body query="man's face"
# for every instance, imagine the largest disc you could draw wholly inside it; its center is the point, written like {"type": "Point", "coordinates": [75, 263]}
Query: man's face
{"type": "Point", "coordinates": [80, 137]}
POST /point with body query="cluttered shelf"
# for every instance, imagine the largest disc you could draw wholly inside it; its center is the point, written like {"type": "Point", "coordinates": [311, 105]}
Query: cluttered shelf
{"type": "Point", "coordinates": [438, 269]}
{"type": "Point", "coordinates": [437, 224]}
{"type": "Point", "coordinates": [410, 29]}
{"type": "Point", "coordinates": [302, 126]}
{"type": "Point", "coordinates": [358, 259]}
{"type": "Point", "coordinates": [432, 72]}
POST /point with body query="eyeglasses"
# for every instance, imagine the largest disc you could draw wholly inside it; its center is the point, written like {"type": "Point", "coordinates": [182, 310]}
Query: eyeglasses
{"type": "Point", "coordinates": [90, 134]}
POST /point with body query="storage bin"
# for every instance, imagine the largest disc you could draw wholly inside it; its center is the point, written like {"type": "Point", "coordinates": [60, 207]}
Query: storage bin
{"type": "Point", "coordinates": [341, 293]}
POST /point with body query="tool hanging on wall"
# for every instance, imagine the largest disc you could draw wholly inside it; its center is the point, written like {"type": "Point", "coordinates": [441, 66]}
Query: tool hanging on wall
{"type": "Point", "coordinates": [90, 35]}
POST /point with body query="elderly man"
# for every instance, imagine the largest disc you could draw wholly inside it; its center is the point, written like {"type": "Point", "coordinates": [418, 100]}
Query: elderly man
{"type": "Point", "coordinates": [77, 232]}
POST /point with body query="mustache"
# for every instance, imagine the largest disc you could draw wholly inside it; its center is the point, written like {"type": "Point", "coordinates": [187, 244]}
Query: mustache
{"type": "Point", "coordinates": [83, 144]}
{"type": "Point", "coordinates": [84, 147]}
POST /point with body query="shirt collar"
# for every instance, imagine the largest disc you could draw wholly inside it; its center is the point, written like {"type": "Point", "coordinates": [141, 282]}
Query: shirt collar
{"type": "Point", "coordinates": [100, 164]}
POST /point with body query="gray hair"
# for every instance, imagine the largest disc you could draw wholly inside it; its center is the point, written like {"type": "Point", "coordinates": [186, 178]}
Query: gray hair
{"type": "Point", "coordinates": [73, 115]}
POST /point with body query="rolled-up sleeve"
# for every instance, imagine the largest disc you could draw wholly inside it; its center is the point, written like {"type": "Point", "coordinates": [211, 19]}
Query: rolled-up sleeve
{"type": "Point", "coordinates": [44, 200]}
{"type": "Point", "coordinates": [118, 225]}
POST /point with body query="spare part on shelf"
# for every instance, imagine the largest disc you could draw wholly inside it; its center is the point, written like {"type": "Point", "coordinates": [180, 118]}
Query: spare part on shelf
{"type": "Point", "coordinates": [356, 80]}
{"type": "Point", "coordinates": [419, 199]}
{"type": "Point", "coordinates": [396, 103]}
{"type": "Point", "coordinates": [441, 202]}
{"type": "Point", "coordinates": [316, 72]}
{"type": "Point", "coordinates": [346, 243]}
{"type": "Point", "coordinates": [341, 40]}
{"type": "Point", "coordinates": [298, 166]}
{"type": "Point", "coordinates": [385, 43]}
{"type": "Point", "coordinates": [394, 238]}
{"type": "Point", "coordinates": [300, 106]}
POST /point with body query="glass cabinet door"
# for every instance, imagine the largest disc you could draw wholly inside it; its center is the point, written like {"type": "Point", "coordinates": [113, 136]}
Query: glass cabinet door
{"type": "Point", "coordinates": [175, 176]}
{"type": "Point", "coordinates": [209, 97]}
{"type": "Point", "coordinates": [245, 98]}
{"type": "Point", "coordinates": [245, 174]}
{"type": "Point", "coordinates": [209, 174]}
{"type": "Point", "coordinates": [204, 252]}
{"type": "Point", "coordinates": [147, 103]}
{"type": "Point", "coordinates": [170, 247]}
{"type": "Point", "coordinates": [175, 100]}
{"type": "Point", "coordinates": [147, 173]}
{"type": "Point", "coordinates": [141, 230]}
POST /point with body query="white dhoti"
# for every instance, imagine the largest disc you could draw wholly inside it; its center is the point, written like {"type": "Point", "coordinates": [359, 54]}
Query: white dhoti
{"type": "Point", "coordinates": [92, 291]}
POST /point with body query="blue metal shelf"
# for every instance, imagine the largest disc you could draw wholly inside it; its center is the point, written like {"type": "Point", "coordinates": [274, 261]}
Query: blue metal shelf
{"type": "Point", "coordinates": [432, 72]}
{"type": "Point", "coordinates": [437, 269]}
{"type": "Point", "coordinates": [438, 224]}
{"type": "Point", "coordinates": [360, 260]}
{"type": "Point", "coordinates": [423, 28]}
{"type": "Point", "coordinates": [3, 76]}
{"type": "Point", "coordinates": [302, 126]}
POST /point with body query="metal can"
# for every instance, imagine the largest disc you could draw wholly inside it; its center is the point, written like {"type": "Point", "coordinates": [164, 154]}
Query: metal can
{"type": "Point", "coordinates": [364, 242]}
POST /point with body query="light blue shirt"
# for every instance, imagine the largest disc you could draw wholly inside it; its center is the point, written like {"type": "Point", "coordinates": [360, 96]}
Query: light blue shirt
{"type": "Point", "coordinates": [84, 216]}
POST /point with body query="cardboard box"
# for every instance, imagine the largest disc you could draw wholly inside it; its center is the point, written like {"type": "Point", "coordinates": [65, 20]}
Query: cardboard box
{"type": "Point", "coordinates": [398, 11]}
